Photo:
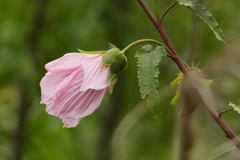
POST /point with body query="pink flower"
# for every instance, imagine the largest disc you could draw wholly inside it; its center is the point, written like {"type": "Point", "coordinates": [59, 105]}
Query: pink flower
{"type": "Point", "coordinates": [74, 86]}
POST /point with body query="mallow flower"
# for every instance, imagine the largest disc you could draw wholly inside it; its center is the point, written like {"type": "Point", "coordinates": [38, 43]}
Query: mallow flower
{"type": "Point", "coordinates": [76, 83]}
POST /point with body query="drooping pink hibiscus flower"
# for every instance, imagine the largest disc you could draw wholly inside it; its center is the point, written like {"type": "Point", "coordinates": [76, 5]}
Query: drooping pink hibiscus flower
{"type": "Point", "coordinates": [74, 86]}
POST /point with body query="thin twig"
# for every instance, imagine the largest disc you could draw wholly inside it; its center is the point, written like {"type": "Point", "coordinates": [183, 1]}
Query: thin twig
{"type": "Point", "coordinates": [227, 110]}
{"type": "Point", "coordinates": [220, 121]}
{"type": "Point", "coordinates": [165, 13]}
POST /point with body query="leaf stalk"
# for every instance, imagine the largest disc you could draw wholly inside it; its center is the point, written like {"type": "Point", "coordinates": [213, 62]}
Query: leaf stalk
{"type": "Point", "coordinates": [165, 13]}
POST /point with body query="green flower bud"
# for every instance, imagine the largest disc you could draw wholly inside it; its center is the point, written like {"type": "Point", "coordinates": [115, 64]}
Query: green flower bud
{"type": "Point", "coordinates": [116, 60]}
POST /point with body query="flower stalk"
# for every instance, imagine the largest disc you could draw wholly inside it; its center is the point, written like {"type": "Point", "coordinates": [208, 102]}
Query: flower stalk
{"type": "Point", "coordinates": [145, 41]}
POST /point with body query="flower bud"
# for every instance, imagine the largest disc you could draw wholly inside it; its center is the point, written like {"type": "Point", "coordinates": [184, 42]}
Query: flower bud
{"type": "Point", "coordinates": [116, 60]}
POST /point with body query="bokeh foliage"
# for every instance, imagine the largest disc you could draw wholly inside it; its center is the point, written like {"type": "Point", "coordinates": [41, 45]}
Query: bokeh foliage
{"type": "Point", "coordinates": [35, 32]}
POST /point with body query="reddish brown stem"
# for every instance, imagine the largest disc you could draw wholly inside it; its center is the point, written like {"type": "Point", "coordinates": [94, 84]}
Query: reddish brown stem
{"type": "Point", "coordinates": [223, 125]}
{"type": "Point", "coordinates": [159, 27]}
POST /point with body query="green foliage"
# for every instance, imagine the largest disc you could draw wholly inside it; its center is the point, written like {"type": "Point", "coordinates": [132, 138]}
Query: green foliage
{"type": "Point", "coordinates": [148, 61]}
{"type": "Point", "coordinates": [235, 107]}
{"type": "Point", "coordinates": [206, 16]}
{"type": "Point", "coordinates": [176, 97]}
{"type": "Point", "coordinates": [153, 104]}
{"type": "Point", "coordinates": [70, 24]}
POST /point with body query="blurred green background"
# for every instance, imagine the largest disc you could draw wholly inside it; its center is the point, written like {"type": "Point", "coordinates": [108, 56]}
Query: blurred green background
{"type": "Point", "coordinates": [35, 32]}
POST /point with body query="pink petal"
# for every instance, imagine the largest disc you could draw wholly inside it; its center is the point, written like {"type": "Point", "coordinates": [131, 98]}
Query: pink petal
{"type": "Point", "coordinates": [94, 78]}
{"type": "Point", "coordinates": [68, 61]}
{"type": "Point", "coordinates": [74, 86]}
{"type": "Point", "coordinates": [70, 122]}
{"type": "Point", "coordinates": [71, 104]}
{"type": "Point", "coordinates": [50, 83]}
{"type": "Point", "coordinates": [68, 87]}
{"type": "Point", "coordinates": [85, 104]}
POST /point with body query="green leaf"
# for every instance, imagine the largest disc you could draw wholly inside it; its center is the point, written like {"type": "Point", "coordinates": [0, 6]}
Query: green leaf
{"type": "Point", "coordinates": [187, 3]}
{"type": "Point", "coordinates": [235, 107]}
{"type": "Point", "coordinates": [111, 89]}
{"type": "Point", "coordinates": [176, 97]}
{"type": "Point", "coordinates": [177, 80]}
{"type": "Point", "coordinates": [153, 104]}
{"type": "Point", "coordinates": [208, 82]}
{"type": "Point", "coordinates": [148, 61]}
{"type": "Point", "coordinates": [206, 16]}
